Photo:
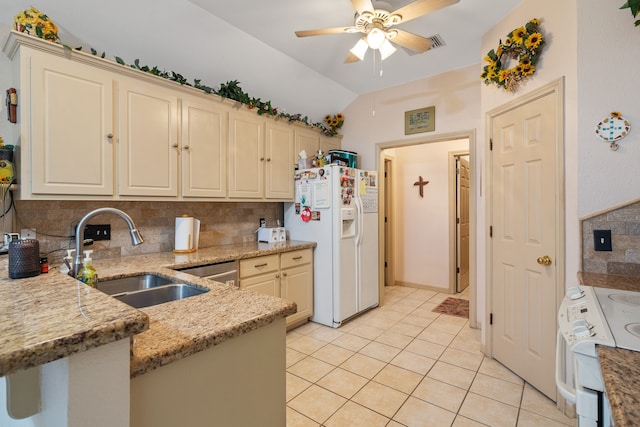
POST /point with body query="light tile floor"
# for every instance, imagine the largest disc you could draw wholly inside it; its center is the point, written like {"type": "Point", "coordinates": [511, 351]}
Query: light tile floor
{"type": "Point", "coordinates": [401, 364]}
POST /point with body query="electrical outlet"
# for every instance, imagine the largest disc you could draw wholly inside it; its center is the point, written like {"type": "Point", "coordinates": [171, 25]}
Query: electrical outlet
{"type": "Point", "coordinates": [97, 232]}
{"type": "Point", "coordinates": [602, 240]}
{"type": "Point", "coordinates": [27, 233]}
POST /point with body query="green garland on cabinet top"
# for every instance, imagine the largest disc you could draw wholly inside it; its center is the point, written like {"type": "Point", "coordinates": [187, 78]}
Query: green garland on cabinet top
{"type": "Point", "coordinates": [33, 22]}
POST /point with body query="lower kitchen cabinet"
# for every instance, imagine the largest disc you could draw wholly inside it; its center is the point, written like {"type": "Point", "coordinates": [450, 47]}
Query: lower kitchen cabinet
{"type": "Point", "coordinates": [288, 275]}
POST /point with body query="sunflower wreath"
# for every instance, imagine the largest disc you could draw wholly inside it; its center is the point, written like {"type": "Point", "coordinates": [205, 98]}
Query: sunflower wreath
{"type": "Point", "coordinates": [523, 44]}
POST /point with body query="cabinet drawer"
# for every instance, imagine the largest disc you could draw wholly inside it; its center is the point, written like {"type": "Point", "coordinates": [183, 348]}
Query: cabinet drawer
{"type": "Point", "coordinates": [292, 259]}
{"type": "Point", "coordinates": [264, 264]}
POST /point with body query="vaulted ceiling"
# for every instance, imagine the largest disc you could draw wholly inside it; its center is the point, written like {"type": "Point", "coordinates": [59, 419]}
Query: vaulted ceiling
{"type": "Point", "coordinates": [254, 42]}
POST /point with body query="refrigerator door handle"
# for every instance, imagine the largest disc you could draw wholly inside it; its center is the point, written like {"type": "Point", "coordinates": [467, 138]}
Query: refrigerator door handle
{"type": "Point", "coordinates": [359, 218]}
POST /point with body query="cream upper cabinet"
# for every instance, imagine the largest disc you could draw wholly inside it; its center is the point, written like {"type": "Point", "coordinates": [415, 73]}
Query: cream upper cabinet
{"type": "Point", "coordinates": [279, 164]}
{"type": "Point", "coordinates": [246, 155]}
{"type": "Point", "coordinates": [204, 148]}
{"type": "Point", "coordinates": [307, 140]}
{"type": "Point", "coordinates": [330, 143]}
{"type": "Point", "coordinates": [148, 139]}
{"type": "Point", "coordinates": [260, 157]}
{"type": "Point", "coordinates": [67, 126]}
{"type": "Point", "coordinates": [94, 129]}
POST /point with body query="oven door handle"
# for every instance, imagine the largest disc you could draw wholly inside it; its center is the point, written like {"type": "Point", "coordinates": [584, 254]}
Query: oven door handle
{"type": "Point", "coordinates": [565, 390]}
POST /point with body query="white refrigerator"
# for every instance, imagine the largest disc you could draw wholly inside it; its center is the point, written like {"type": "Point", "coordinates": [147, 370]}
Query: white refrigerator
{"type": "Point", "coordinates": [337, 207]}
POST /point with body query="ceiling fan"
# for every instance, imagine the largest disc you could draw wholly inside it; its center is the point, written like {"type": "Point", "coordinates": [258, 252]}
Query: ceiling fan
{"type": "Point", "coordinates": [378, 27]}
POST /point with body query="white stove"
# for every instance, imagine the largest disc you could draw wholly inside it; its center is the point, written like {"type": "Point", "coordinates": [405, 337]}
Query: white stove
{"type": "Point", "coordinates": [589, 316]}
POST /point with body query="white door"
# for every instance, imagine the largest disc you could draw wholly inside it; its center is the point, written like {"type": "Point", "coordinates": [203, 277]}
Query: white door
{"type": "Point", "coordinates": [525, 219]}
{"type": "Point", "coordinates": [463, 176]}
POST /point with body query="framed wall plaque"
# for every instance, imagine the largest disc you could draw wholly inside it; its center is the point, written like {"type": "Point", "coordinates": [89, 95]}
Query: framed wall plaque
{"type": "Point", "coordinates": [421, 120]}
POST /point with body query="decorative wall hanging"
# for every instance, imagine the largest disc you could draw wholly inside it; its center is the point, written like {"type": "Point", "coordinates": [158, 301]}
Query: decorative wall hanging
{"type": "Point", "coordinates": [612, 129]}
{"type": "Point", "coordinates": [421, 183]}
{"type": "Point", "coordinates": [422, 120]}
{"type": "Point", "coordinates": [12, 105]}
{"type": "Point", "coordinates": [524, 44]}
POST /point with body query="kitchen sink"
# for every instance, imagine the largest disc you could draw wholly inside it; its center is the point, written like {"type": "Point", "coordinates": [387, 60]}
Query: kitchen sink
{"type": "Point", "coordinates": [160, 295]}
{"type": "Point", "coordinates": [133, 283]}
{"type": "Point", "coordinates": [148, 289]}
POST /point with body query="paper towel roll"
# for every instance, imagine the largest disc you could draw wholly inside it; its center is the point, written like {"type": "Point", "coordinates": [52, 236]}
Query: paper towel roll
{"type": "Point", "coordinates": [184, 234]}
{"type": "Point", "coordinates": [196, 233]}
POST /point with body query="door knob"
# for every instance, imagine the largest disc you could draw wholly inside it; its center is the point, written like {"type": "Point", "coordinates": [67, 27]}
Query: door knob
{"type": "Point", "coordinates": [544, 260]}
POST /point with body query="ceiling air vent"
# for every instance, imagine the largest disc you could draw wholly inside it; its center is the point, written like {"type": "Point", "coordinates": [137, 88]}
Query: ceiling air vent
{"type": "Point", "coordinates": [436, 42]}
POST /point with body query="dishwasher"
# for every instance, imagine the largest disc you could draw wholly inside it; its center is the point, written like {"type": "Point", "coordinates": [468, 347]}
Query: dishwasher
{"type": "Point", "coordinates": [225, 272]}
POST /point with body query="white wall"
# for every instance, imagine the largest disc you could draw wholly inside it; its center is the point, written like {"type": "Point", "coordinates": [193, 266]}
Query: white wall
{"type": "Point", "coordinates": [456, 96]}
{"type": "Point", "coordinates": [608, 64]}
{"type": "Point", "coordinates": [422, 228]}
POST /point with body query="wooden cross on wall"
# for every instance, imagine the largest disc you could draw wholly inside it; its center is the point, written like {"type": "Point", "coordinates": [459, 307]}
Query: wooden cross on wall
{"type": "Point", "coordinates": [421, 183]}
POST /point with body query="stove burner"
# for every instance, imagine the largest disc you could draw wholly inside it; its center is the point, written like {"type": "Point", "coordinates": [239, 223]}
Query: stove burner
{"type": "Point", "coordinates": [633, 329]}
{"type": "Point", "coordinates": [627, 299]}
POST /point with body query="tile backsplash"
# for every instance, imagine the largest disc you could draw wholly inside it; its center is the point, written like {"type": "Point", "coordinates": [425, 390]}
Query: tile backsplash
{"type": "Point", "coordinates": [221, 223]}
{"type": "Point", "coordinates": [624, 258]}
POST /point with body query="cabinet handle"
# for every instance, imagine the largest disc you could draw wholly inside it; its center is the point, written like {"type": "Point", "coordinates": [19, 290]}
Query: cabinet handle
{"type": "Point", "coordinates": [260, 265]}
{"type": "Point", "coordinates": [110, 135]}
{"type": "Point", "coordinates": [262, 159]}
{"type": "Point", "coordinates": [296, 258]}
{"type": "Point", "coordinates": [268, 159]}
{"type": "Point", "coordinates": [186, 147]}
{"type": "Point", "coordinates": [277, 276]}
{"type": "Point", "coordinates": [175, 145]}
{"type": "Point", "coordinates": [284, 274]}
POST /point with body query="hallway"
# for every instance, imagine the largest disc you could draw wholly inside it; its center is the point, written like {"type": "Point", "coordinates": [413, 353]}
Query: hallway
{"type": "Point", "coordinates": [403, 365]}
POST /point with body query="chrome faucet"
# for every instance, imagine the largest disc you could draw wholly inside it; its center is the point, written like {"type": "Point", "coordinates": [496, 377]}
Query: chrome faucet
{"type": "Point", "coordinates": [136, 238]}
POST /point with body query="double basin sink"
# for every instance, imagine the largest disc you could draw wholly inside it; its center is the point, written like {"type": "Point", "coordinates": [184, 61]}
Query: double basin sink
{"type": "Point", "coordinates": [148, 289]}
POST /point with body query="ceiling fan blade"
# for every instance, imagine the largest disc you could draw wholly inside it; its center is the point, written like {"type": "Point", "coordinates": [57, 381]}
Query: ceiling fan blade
{"type": "Point", "coordinates": [336, 30]}
{"type": "Point", "coordinates": [421, 7]}
{"type": "Point", "coordinates": [412, 41]}
{"type": "Point", "coordinates": [362, 5]}
{"type": "Point", "coordinates": [351, 58]}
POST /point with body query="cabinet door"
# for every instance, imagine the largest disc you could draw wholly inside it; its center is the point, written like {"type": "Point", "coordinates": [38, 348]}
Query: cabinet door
{"type": "Point", "coordinates": [279, 166]}
{"type": "Point", "coordinates": [71, 121]}
{"type": "Point", "coordinates": [265, 284]}
{"type": "Point", "coordinates": [297, 285]}
{"type": "Point", "coordinates": [330, 143]}
{"type": "Point", "coordinates": [246, 155]}
{"type": "Point", "coordinates": [204, 148]}
{"type": "Point", "coordinates": [307, 140]}
{"type": "Point", "coordinates": [148, 139]}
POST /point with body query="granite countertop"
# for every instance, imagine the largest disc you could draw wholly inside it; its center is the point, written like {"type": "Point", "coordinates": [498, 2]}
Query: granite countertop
{"type": "Point", "coordinates": [40, 320]}
{"type": "Point", "coordinates": [620, 368]}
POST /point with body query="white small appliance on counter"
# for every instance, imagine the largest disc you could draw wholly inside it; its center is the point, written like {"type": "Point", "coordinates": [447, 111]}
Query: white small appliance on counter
{"type": "Point", "coordinates": [272, 234]}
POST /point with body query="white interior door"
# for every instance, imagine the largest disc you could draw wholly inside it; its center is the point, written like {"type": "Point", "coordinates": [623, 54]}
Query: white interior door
{"type": "Point", "coordinates": [462, 208]}
{"type": "Point", "coordinates": [525, 220]}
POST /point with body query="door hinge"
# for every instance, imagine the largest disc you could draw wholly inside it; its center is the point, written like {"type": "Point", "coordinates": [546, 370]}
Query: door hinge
{"type": "Point", "coordinates": [491, 231]}
{"type": "Point", "coordinates": [385, 219]}
{"type": "Point", "coordinates": [457, 220]}
{"type": "Point", "coordinates": [457, 269]}
{"type": "Point", "coordinates": [491, 318]}
{"type": "Point", "coordinates": [491, 144]}
{"type": "Point", "coordinates": [385, 264]}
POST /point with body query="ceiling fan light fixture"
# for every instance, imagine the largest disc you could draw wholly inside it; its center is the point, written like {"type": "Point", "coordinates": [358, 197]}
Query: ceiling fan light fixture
{"type": "Point", "coordinates": [360, 49]}
{"type": "Point", "coordinates": [376, 38]}
{"type": "Point", "coordinates": [386, 50]}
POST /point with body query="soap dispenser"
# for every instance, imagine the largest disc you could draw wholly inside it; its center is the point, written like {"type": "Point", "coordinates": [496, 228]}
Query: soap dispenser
{"type": "Point", "coordinates": [68, 260]}
{"type": "Point", "coordinates": [87, 273]}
